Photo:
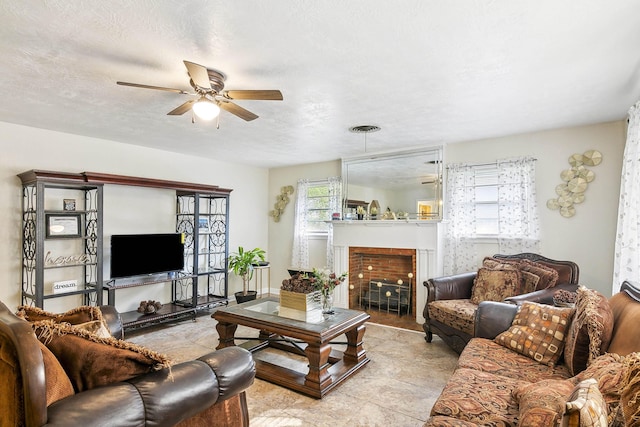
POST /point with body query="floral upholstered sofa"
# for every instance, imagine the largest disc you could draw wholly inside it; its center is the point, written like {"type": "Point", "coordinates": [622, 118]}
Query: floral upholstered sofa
{"type": "Point", "coordinates": [540, 365]}
{"type": "Point", "coordinates": [452, 301]}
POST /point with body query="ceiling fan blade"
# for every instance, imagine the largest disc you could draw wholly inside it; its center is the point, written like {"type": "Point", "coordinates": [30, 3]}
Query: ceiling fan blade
{"type": "Point", "coordinates": [267, 95]}
{"type": "Point", "coordinates": [198, 74]}
{"type": "Point", "coordinates": [182, 108]}
{"type": "Point", "coordinates": [237, 110]}
{"type": "Point", "coordinates": [168, 89]}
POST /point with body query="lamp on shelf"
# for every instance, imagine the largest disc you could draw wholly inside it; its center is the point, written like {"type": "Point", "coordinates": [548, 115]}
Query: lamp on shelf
{"type": "Point", "coordinates": [206, 109]}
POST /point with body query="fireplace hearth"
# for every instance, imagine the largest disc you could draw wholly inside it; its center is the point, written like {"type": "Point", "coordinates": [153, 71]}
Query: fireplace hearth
{"type": "Point", "coordinates": [382, 280]}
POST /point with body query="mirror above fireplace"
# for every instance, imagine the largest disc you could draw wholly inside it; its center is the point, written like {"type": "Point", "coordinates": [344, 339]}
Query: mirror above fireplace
{"type": "Point", "coordinates": [408, 183]}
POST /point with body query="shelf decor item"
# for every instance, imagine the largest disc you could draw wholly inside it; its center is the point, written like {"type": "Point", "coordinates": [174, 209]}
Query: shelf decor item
{"type": "Point", "coordinates": [69, 204]}
{"type": "Point", "coordinates": [63, 225]}
{"type": "Point", "coordinates": [242, 264]}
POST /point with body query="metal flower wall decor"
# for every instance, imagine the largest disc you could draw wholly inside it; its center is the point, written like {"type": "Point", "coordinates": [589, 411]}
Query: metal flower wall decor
{"type": "Point", "coordinates": [575, 182]}
{"type": "Point", "coordinates": [282, 200]}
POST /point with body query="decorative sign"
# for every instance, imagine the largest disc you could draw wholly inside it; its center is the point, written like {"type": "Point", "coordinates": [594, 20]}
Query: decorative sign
{"type": "Point", "coordinates": [66, 260]}
{"type": "Point", "coordinates": [65, 286]}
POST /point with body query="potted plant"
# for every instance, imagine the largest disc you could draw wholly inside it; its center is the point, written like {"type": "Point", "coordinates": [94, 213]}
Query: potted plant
{"type": "Point", "coordinates": [242, 263]}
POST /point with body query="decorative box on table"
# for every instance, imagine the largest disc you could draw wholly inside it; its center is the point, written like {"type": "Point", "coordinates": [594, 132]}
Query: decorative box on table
{"type": "Point", "coordinates": [299, 306]}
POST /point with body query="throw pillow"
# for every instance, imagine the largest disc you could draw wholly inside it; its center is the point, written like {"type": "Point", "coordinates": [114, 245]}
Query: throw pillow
{"type": "Point", "coordinates": [590, 331]}
{"type": "Point", "coordinates": [542, 403]}
{"type": "Point", "coordinates": [538, 332]}
{"type": "Point", "coordinates": [91, 361]}
{"type": "Point", "coordinates": [495, 285]}
{"type": "Point", "coordinates": [587, 400]}
{"type": "Point", "coordinates": [78, 315]}
{"type": "Point", "coordinates": [58, 385]}
{"type": "Point", "coordinates": [630, 394]}
{"type": "Point", "coordinates": [609, 370]}
{"type": "Point", "coordinates": [548, 276]}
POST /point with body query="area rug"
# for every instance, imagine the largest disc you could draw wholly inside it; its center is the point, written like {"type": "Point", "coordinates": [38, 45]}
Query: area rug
{"type": "Point", "coordinates": [397, 388]}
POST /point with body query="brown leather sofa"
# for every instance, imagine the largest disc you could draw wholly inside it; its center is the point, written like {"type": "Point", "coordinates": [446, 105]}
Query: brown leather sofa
{"type": "Point", "coordinates": [459, 287]}
{"type": "Point", "coordinates": [209, 391]}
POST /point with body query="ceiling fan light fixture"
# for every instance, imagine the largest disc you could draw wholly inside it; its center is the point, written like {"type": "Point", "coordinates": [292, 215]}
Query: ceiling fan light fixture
{"type": "Point", "coordinates": [206, 109]}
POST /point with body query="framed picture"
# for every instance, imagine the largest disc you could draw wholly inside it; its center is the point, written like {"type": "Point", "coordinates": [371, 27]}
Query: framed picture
{"type": "Point", "coordinates": [426, 209]}
{"type": "Point", "coordinates": [63, 225]}
{"type": "Point", "coordinates": [69, 204]}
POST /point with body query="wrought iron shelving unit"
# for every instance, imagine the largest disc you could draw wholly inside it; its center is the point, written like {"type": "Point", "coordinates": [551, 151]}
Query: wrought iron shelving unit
{"type": "Point", "coordinates": [202, 213]}
{"type": "Point", "coordinates": [203, 220]}
{"type": "Point", "coordinates": [65, 254]}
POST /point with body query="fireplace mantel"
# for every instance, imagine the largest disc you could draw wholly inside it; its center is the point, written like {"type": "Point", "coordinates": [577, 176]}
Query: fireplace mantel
{"type": "Point", "coordinates": [422, 235]}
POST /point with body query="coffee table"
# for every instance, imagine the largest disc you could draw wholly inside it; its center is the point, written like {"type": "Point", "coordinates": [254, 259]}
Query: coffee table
{"type": "Point", "coordinates": [327, 367]}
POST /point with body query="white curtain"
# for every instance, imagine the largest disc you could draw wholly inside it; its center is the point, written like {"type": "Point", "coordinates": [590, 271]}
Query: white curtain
{"type": "Point", "coordinates": [335, 205]}
{"type": "Point", "coordinates": [459, 246]}
{"type": "Point", "coordinates": [627, 247]}
{"type": "Point", "coordinates": [300, 250]}
{"type": "Point", "coordinates": [518, 225]}
{"type": "Point", "coordinates": [518, 211]}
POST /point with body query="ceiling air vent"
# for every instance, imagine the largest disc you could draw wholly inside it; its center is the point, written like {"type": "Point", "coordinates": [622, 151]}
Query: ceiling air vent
{"type": "Point", "coordinates": [364, 129]}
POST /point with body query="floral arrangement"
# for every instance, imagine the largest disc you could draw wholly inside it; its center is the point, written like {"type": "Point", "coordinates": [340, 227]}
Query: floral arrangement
{"type": "Point", "coordinates": [360, 210]}
{"type": "Point", "coordinates": [326, 281]}
{"type": "Point", "coordinates": [318, 280]}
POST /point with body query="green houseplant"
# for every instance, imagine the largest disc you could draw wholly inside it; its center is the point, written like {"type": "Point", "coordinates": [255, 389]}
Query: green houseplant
{"type": "Point", "coordinates": [242, 263]}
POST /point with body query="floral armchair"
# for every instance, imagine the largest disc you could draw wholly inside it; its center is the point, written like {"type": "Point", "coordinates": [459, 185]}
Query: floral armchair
{"type": "Point", "coordinates": [452, 301]}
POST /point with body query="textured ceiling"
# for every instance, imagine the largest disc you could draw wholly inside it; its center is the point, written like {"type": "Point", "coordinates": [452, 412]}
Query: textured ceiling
{"type": "Point", "coordinates": [428, 72]}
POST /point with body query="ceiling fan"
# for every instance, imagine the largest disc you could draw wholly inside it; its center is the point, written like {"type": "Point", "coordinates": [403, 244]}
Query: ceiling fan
{"type": "Point", "coordinates": [208, 85]}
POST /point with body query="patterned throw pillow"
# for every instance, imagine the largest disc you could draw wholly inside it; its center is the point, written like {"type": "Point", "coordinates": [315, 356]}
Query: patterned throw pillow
{"type": "Point", "coordinates": [630, 394]}
{"type": "Point", "coordinates": [542, 404]}
{"type": "Point", "coordinates": [610, 371]}
{"type": "Point", "coordinates": [538, 332]}
{"type": "Point", "coordinates": [590, 332]}
{"type": "Point", "coordinates": [587, 400]}
{"type": "Point", "coordinates": [495, 285]}
{"type": "Point", "coordinates": [91, 361]}
{"type": "Point", "coordinates": [548, 276]}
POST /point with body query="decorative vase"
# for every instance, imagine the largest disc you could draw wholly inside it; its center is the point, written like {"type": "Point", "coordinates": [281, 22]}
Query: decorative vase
{"type": "Point", "coordinates": [360, 216]}
{"type": "Point", "coordinates": [327, 301]}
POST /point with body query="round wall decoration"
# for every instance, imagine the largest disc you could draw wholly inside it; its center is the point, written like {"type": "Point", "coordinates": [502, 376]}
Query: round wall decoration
{"type": "Point", "coordinates": [576, 180]}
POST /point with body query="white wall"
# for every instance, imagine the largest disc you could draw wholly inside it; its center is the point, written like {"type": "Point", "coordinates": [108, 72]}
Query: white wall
{"type": "Point", "coordinates": [281, 233]}
{"type": "Point", "coordinates": [127, 209]}
{"type": "Point", "coordinates": [588, 237]}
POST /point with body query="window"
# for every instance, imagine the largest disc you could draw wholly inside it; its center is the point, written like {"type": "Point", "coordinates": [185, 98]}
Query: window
{"type": "Point", "coordinates": [486, 203]}
{"type": "Point", "coordinates": [495, 201]}
{"type": "Point", "coordinates": [315, 202]}
{"type": "Point", "coordinates": [318, 208]}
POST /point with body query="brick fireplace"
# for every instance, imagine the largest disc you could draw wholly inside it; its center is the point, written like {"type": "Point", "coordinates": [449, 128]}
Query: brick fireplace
{"type": "Point", "coordinates": [370, 267]}
{"type": "Point", "coordinates": [393, 249]}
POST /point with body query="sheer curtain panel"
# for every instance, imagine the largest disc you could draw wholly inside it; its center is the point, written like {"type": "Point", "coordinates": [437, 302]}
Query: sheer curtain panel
{"type": "Point", "coordinates": [627, 247]}
{"type": "Point", "coordinates": [300, 250]}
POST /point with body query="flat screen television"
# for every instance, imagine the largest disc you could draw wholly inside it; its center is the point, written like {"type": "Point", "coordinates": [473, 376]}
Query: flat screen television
{"type": "Point", "coordinates": [140, 254]}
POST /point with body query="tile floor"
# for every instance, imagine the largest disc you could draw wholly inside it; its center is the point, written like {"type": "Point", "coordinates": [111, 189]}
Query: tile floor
{"type": "Point", "coordinates": [397, 388]}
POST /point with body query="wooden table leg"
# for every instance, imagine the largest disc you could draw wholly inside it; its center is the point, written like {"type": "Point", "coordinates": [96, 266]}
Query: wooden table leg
{"type": "Point", "coordinates": [318, 356]}
{"type": "Point", "coordinates": [355, 352]}
{"type": "Point", "coordinates": [226, 332]}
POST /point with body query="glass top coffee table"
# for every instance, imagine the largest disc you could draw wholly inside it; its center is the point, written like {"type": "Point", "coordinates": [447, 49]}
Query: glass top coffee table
{"type": "Point", "coordinates": [327, 367]}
